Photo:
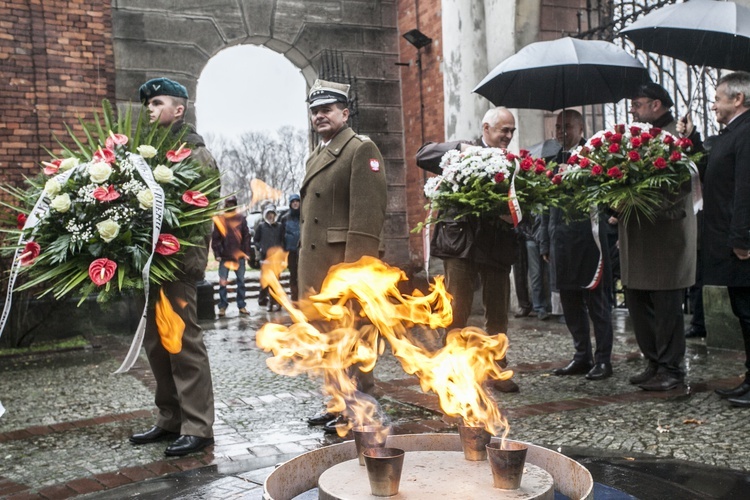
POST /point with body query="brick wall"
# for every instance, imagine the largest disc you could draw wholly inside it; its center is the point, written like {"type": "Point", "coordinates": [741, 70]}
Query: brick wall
{"type": "Point", "coordinates": [57, 65]}
{"type": "Point", "coordinates": [424, 15]}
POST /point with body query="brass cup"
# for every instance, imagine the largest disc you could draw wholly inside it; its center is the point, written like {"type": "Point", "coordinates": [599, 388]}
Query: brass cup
{"type": "Point", "coordinates": [474, 441]}
{"type": "Point", "coordinates": [507, 463]}
{"type": "Point", "coordinates": [384, 466]}
{"type": "Point", "coordinates": [369, 436]}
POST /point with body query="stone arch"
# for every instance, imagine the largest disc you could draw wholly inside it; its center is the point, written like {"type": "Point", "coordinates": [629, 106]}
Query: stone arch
{"type": "Point", "coordinates": [154, 39]}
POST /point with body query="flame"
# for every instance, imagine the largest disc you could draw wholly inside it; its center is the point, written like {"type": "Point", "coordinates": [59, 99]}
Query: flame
{"type": "Point", "coordinates": [347, 323]}
{"type": "Point", "coordinates": [262, 191]}
{"type": "Point", "coordinates": [169, 324]}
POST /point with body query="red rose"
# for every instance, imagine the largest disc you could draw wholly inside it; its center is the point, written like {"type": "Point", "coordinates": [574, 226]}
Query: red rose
{"type": "Point", "coordinates": [539, 169]}
{"type": "Point", "coordinates": [636, 142]}
{"type": "Point", "coordinates": [620, 128]}
{"type": "Point", "coordinates": [584, 162]}
{"type": "Point", "coordinates": [573, 159]}
{"type": "Point", "coordinates": [180, 154]}
{"type": "Point", "coordinates": [104, 155]}
{"type": "Point", "coordinates": [105, 194]}
{"type": "Point", "coordinates": [597, 170]}
{"type": "Point", "coordinates": [51, 167]}
{"type": "Point", "coordinates": [499, 177]}
{"type": "Point", "coordinates": [584, 151]}
{"type": "Point", "coordinates": [21, 220]}
{"type": "Point", "coordinates": [596, 142]}
{"type": "Point", "coordinates": [195, 198]}
{"type": "Point", "coordinates": [526, 164]}
{"type": "Point", "coordinates": [616, 138]}
{"type": "Point", "coordinates": [654, 131]}
{"type": "Point", "coordinates": [668, 139]}
{"type": "Point", "coordinates": [524, 153]}
{"type": "Point", "coordinates": [685, 143]}
{"type": "Point", "coordinates": [167, 245]}
{"type": "Point", "coordinates": [635, 130]}
{"type": "Point", "coordinates": [557, 179]}
{"type": "Point", "coordinates": [549, 173]}
{"type": "Point", "coordinates": [510, 156]}
{"type": "Point", "coordinates": [614, 148]}
{"type": "Point", "coordinates": [607, 134]}
{"type": "Point", "coordinates": [30, 252]}
{"type": "Point", "coordinates": [660, 163]}
{"type": "Point", "coordinates": [615, 173]}
{"type": "Point", "coordinates": [633, 156]}
{"type": "Point", "coordinates": [675, 156]}
{"type": "Point", "coordinates": [646, 137]}
{"type": "Point", "coordinates": [102, 270]}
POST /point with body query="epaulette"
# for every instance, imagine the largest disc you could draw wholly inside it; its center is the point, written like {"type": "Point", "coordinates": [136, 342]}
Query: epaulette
{"type": "Point", "coordinates": [362, 138]}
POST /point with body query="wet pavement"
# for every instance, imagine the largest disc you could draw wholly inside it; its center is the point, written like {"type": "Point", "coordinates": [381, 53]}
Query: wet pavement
{"type": "Point", "coordinates": [67, 420]}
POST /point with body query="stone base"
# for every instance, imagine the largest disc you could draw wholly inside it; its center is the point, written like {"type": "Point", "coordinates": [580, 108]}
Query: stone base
{"type": "Point", "coordinates": [722, 326]}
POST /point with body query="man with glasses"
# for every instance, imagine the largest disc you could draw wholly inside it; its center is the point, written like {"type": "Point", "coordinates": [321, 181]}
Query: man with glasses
{"type": "Point", "coordinates": [658, 260]}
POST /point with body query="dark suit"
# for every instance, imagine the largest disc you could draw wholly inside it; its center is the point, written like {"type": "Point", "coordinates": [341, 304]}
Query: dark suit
{"type": "Point", "coordinates": [726, 220]}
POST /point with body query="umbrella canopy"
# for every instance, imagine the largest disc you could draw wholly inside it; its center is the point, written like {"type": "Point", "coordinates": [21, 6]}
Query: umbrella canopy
{"type": "Point", "coordinates": [703, 33]}
{"type": "Point", "coordinates": [563, 73]}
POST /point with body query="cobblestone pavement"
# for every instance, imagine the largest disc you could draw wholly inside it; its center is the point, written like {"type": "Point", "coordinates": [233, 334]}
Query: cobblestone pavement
{"type": "Point", "coordinates": [68, 417]}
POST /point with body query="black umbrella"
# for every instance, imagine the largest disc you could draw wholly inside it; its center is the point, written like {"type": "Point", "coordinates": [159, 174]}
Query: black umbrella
{"type": "Point", "coordinates": [563, 73]}
{"type": "Point", "coordinates": [703, 33]}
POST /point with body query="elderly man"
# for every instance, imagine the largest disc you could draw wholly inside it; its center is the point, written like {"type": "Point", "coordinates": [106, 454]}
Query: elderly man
{"type": "Point", "coordinates": [726, 229]}
{"type": "Point", "coordinates": [343, 203]}
{"type": "Point", "coordinates": [492, 250]}
{"type": "Point", "coordinates": [658, 260]}
{"type": "Point", "coordinates": [577, 256]}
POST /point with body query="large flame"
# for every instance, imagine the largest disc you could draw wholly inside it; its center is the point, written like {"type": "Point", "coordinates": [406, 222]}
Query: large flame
{"type": "Point", "coordinates": [344, 325]}
{"type": "Point", "coordinates": [169, 324]}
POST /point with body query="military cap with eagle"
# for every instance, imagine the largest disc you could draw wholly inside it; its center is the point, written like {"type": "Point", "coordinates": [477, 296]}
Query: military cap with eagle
{"type": "Point", "coordinates": [161, 86]}
{"type": "Point", "coordinates": [323, 92]}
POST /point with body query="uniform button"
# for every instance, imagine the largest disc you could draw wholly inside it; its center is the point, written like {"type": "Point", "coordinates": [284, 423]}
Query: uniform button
{"type": "Point", "coordinates": [312, 246]}
{"type": "Point", "coordinates": [315, 220]}
{"type": "Point", "coordinates": [317, 195]}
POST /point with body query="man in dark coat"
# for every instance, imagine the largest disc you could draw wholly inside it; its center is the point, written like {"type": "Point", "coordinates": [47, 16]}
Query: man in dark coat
{"type": "Point", "coordinates": [491, 248]}
{"type": "Point", "coordinates": [726, 229]}
{"type": "Point", "coordinates": [658, 260]}
{"type": "Point", "coordinates": [231, 244]}
{"type": "Point", "coordinates": [184, 390]}
{"type": "Point", "coordinates": [343, 205]}
{"type": "Point", "coordinates": [581, 272]}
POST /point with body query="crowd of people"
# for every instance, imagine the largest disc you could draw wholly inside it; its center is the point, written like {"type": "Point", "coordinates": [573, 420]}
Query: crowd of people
{"type": "Point", "coordinates": [340, 213]}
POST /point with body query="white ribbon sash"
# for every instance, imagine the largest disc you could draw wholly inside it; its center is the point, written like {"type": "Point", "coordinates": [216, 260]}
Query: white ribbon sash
{"type": "Point", "coordinates": [513, 205]}
{"type": "Point", "coordinates": [594, 217]}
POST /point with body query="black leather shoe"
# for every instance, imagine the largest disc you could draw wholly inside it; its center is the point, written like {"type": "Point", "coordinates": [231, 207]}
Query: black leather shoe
{"type": "Point", "coordinates": [187, 444]}
{"type": "Point", "coordinates": [662, 382]}
{"type": "Point", "coordinates": [644, 376]}
{"type": "Point", "coordinates": [693, 333]}
{"type": "Point", "coordinates": [153, 435]}
{"type": "Point", "coordinates": [741, 401]}
{"type": "Point", "coordinates": [574, 368]}
{"type": "Point", "coordinates": [332, 426]}
{"type": "Point", "coordinates": [734, 392]}
{"type": "Point", "coordinates": [523, 312]}
{"type": "Point", "coordinates": [600, 371]}
{"type": "Point", "coordinates": [321, 418]}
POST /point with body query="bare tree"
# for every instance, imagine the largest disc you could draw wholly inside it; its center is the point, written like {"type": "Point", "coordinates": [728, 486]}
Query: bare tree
{"type": "Point", "coordinates": [278, 159]}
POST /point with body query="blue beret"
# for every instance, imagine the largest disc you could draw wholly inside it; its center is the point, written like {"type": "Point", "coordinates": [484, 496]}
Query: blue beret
{"type": "Point", "coordinates": [161, 86]}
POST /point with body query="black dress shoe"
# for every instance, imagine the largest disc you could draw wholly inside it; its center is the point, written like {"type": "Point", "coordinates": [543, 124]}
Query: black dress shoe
{"type": "Point", "coordinates": [645, 375]}
{"type": "Point", "coordinates": [153, 435]}
{"type": "Point", "coordinates": [693, 332]}
{"type": "Point", "coordinates": [333, 426]}
{"type": "Point", "coordinates": [734, 392]}
{"type": "Point", "coordinates": [574, 368]}
{"type": "Point", "coordinates": [662, 382]}
{"type": "Point", "coordinates": [523, 312]}
{"type": "Point", "coordinates": [741, 401]}
{"type": "Point", "coordinates": [321, 418]}
{"type": "Point", "coordinates": [187, 444]}
{"type": "Point", "coordinates": [600, 371]}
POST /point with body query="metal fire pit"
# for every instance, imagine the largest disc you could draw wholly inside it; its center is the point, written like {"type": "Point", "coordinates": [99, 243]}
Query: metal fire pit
{"type": "Point", "coordinates": [301, 474]}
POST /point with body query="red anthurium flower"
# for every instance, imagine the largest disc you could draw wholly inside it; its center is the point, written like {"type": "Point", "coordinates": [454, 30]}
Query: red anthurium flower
{"type": "Point", "coordinates": [30, 252]}
{"type": "Point", "coordinates": [167, 245]}
{"type": "Point", "coordinates": [675, 156]}
{"type": "Point", "coordinates": [597, 170]}
{"type": "Point", "coordinates": [633, 156]}
{"type": "Point", "coordinates": [21, 220]}
{"type": "Point", "coordinates": [615, 173]}
{"type": "Point", "coordinates": [115, 140]}
{"type": "Point", "coordinates": [102, 270]}
{"type": "Point", "coordinates": [660, 163]}
{"type": "Point", "coordinates": [104, 155]}
{"type": "Point", "coordinates": [499, 177]}
{"type": "Point", "coordinates": [106, 194]}
{"type": "Point", "coordinates": [195, 198]}
{"type": "Point", "coordinates": [51, 167]}
{"type": "Point", "coordinates": [179, 155]}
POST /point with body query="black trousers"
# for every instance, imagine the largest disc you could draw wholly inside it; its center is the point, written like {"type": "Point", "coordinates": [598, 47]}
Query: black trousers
{"type": "Point", "coordinates": [739, 297]}
{"type": "Point", "coordinates": [580, 305]}
{"type": "Point", "coordinates": [659, 327]}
